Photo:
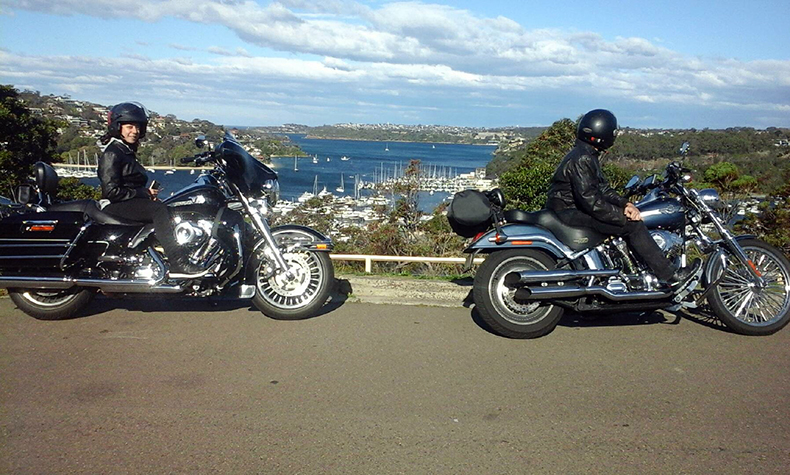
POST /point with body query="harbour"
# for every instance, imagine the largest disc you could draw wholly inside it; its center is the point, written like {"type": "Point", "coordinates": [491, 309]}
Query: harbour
{"type": "Point", "coordinates": [352, 177]}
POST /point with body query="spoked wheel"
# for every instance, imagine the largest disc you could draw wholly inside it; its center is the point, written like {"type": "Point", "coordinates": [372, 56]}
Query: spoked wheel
{"type": "Point", "coordinates": [496, 303]}
{"type": "Point", "coordinates": [299, 296]}
{"type": "Point", "coordinates": [745, 305]}
{"type": "Point", "coordinates": [51, 304]}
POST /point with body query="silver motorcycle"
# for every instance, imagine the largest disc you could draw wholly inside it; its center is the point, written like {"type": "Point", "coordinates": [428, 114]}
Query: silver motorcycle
{"type": "Point", "coordinates": [537, 267]}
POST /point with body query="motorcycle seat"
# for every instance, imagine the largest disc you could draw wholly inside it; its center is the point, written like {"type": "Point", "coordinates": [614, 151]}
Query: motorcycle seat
{"type": "Point", "coordinates": [576, 238]}
{"type": "Point", "coordinates": [91, 209]}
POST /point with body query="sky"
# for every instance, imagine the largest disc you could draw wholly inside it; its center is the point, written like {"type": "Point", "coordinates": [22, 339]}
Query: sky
{"type": "Point", "coordinates": [494, 63]}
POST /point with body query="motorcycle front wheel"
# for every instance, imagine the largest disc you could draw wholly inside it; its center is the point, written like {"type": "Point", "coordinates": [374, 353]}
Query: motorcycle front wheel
{"type": "Point", "coordinates": [51, 304]}
{"type": "Point", "coordinates": [495, 301]}
{"type": "Point", "coordinates": [741, 303]}
{"type": "Point", "coordinates": [299, 296]}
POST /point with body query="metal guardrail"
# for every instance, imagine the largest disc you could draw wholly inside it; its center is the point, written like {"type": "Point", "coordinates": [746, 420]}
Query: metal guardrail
{"type": "Point", "coordinates": [369, 259]}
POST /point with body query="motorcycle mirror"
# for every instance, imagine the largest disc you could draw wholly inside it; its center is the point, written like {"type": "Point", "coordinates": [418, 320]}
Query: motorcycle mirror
{"type": "Point", "coordinates": [684, 149]}
{"type": "Point", "coordinates": [632, 182]}
{"type": "Point", "coordinates": [496, 196]}
{"type": "Point", "coordinates": [201, 141]}
{"type": "Point", "coordinates": [648, 181]}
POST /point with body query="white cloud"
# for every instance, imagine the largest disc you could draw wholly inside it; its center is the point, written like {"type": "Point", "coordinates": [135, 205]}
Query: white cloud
{"type": "Point", "coordinates": [404, 50]}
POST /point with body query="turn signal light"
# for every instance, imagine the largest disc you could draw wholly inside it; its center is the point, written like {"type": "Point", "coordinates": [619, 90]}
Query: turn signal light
{"type": "Point", "coordinates": [42, 227]}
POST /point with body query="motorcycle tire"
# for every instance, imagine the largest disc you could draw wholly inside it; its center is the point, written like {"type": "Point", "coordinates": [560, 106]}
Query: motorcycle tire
{"type": "Point", "coordinates": [298, 298]}
{"type": "Point", "coordinates": [746, 309]}
{"type": "Point", "coordinates": [496, 304]}
{"type": "Point", "coordinates": [51, 304]}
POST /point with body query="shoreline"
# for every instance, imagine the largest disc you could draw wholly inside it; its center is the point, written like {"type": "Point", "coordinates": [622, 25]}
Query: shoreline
{"type": "Point", "coordinates": [317, 137]}
{"type": "Point", "coordinates": [149, 167]}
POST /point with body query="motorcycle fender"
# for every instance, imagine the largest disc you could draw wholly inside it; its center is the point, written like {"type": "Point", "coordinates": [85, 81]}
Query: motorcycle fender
{"type": "Point", "coordinates": [308, 238]}
{"type": "Point", "coordinates": [521, 236]}
{"type": "Point", "coordinates": [717, 255]}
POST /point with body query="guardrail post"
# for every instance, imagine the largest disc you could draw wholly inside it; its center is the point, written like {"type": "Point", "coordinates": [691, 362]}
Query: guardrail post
{"type": "Point", "coordinates": [368, 265]}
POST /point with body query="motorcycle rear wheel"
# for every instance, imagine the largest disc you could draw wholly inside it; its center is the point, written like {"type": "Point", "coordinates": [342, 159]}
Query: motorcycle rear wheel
{"type": "Point", "coordinates": [281, 298]}
{"type": "Point", "coordinates": [52, 304]}
{"type": "Point", "coordinates": [745, 308]}
{"type": "Point", "coordinates": [495, 301]}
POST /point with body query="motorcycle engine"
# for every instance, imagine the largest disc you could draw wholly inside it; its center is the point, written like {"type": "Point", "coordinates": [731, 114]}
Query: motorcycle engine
{"type": "Point", "coordinates": [210, 243]}
{"type": "Point", "coordinates": [670, 243]}
{"type": "Point", "coordinates": [193, 233]}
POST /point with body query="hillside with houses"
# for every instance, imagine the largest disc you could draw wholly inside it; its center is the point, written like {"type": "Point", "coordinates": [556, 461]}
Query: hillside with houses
{"type": "Point", "coordinates": [81, 123]}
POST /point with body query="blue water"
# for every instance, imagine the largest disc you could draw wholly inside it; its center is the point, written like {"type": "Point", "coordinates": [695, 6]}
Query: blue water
{"type": "Point", "coordinates": [366, 159]}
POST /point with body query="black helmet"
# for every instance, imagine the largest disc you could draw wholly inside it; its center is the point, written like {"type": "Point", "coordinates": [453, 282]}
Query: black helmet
{"type": "Point", "coordinates": [598, 128]}
{"type": "Point", "coordinates": [127, 112]}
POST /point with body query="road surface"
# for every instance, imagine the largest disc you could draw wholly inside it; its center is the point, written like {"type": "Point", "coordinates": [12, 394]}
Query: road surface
{"type": "Point", "coordinates": [173, 386]}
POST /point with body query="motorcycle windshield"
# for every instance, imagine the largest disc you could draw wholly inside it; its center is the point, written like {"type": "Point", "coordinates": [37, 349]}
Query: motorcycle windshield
{"type": "Point", "coordinates": [242, 169]}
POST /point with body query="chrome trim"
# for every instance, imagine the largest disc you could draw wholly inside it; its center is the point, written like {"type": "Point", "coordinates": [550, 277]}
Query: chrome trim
{"type": "Point", "coordinates": [25, 240]}
{"type": "Point", "coordinates": [12, 246]}
{"type": "Point", "coordinates": [41, 221]}
{"type": "Point", "coordinates": [54, 256]}
{"type": "Point", "coordinates": [72, 244]}
{"type": "Point", "coordinates": [247, 291]}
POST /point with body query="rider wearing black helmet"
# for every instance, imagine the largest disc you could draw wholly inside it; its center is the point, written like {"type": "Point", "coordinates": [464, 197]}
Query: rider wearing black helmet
{"type": "Point", "coordinates": [580, 195]}
{"type": "Point", "coordinates": [123, 182]}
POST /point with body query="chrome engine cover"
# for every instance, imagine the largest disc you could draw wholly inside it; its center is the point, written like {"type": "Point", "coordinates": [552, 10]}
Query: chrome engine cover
{"type": "Point", "coordinates": [670, 243]}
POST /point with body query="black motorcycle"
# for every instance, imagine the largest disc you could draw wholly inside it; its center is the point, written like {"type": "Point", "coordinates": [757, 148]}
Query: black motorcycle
{"type": "Point", "coordinates": [538, 267]}
{"type": "Point", "coordinates": [54, 257]}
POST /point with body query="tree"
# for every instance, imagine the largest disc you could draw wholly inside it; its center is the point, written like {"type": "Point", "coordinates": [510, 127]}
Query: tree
{"type": "Point", "coordinates": [24, 139]}
{"type": "Point", "coordinates": [72, 189]}
{"type": "Point", "coordinates": [407, 207]}
{"type": "Point", "coordinates": [525, 184]}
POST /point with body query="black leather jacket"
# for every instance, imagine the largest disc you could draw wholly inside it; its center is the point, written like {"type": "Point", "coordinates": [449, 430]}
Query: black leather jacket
{"type": "Point", "coordinates": [580, 184]}
{"type": "Point", "coordinates": [121, 175]}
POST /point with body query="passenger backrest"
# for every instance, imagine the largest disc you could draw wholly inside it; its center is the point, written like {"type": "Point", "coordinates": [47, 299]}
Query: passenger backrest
{"type": "Point", "coordinates": [46, 181]}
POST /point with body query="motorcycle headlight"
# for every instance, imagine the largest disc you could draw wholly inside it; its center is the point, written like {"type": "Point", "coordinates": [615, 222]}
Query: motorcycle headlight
{"type": "Point", "coordinates": [711, 197]}
{"type": "Point", "coordinates": [272, 189]}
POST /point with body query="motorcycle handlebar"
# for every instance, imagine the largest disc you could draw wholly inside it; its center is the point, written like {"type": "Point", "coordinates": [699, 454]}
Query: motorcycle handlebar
{"type": "Point", "coordinates": [200, 158]}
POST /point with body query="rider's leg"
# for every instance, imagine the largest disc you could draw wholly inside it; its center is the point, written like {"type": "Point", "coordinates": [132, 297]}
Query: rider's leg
{"type": "Point", "coordinates": [156, 212]}
{"type": "Point", "coordinates": [634, 233]}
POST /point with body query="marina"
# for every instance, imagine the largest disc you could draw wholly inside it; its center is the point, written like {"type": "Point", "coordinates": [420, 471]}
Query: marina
{"type": "Point", "coordinates": [352, 189]}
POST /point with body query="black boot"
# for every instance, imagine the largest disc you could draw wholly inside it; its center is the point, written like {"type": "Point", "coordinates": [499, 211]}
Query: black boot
{"type": "Point", "coordinates": [683, 275]}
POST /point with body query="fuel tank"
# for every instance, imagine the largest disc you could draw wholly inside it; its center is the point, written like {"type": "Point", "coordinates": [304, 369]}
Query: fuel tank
{"type": "Point", "coordinates": [663, 213]}
{"type": "Point", "coordinates": [198, 194]}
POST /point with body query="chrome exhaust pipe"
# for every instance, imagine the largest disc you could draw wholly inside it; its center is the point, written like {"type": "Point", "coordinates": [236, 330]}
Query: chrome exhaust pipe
{"type": "Point", "coordinates": [549, 293]}
{"type": "Point", "coordinates": [46, 283]}
{"type": "Point", "coordinates": [519, 279]}
{"type": "Point", "coordinates": [105, 285]}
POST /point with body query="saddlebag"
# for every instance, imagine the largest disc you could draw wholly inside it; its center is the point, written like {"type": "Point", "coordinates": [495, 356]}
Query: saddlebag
{"type": "Point", "coordinates": [470, 212]}
{"type": "Point", "coordinates": [38, 240]}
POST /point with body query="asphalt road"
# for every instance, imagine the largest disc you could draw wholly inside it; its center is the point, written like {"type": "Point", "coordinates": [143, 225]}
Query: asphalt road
{"type": "Point", "coordinates": [184, 387]}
